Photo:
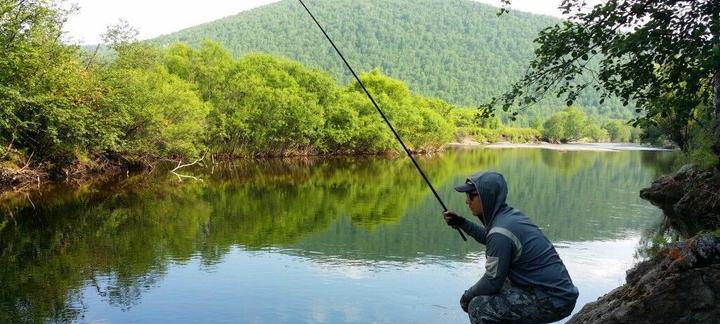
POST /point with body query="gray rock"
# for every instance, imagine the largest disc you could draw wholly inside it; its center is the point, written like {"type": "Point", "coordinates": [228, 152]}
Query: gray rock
{"type": "Point", "coordinates": [679, 285]}
{"type": "Point", "coordinates": [690, 199]}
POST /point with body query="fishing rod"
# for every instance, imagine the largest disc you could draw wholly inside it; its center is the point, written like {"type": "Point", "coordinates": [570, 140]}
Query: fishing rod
{"type": "Point", "coordinates": [362, 85]}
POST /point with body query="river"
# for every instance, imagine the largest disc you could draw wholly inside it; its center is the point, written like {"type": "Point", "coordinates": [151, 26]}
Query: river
{"type": "Point", "coordinates": [323, 240]}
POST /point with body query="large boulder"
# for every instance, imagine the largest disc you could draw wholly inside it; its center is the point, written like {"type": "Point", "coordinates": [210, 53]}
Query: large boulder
{"type": "Point", "coordinates": [679, 285]}
{"type": "Point", "coordinates": [690, 199]}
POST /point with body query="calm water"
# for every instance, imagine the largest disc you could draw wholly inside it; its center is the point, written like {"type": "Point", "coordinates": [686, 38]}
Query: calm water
{"type": "Point", "coordinates": [308, 241]}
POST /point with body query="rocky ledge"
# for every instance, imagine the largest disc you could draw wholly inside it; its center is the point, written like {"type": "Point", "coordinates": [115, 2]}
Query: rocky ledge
{"type": "Point", "coordinates": [690, 199]}
{"type": "Point", "coordinates": [681, 284]}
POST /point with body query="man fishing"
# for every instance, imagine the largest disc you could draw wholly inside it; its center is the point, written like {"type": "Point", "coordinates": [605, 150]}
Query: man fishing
{"type": "Point", "coordinates": [524, 280]}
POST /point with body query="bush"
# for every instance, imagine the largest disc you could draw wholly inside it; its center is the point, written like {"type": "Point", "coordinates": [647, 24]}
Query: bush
{"type": "Point", "coordinates": [595, 133]}
{"type": "Point", "coordinates": [520, 135]}
{"type": "Point", "coordinates": [154, 114]}
{"type": "Point", "coordinates": [565, 126]}
{"type": "Point", "coordinates": [619, 131]}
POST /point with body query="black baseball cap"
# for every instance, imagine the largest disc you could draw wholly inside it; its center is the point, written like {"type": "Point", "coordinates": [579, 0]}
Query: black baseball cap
{"type": "Point", "coordinates": [468, 186]}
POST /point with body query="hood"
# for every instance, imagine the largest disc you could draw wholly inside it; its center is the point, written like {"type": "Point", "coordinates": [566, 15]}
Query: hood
{"type": "Point", "coordinates": [493, 192]}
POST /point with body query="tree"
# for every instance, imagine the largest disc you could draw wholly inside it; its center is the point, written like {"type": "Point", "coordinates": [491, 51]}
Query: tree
{"type": "Point", "coordinates": [149, 112]}
{"type": "Point", "coordinates": [618, 131]}
{"type": "Point", "coordinates": [439, 62]}
{"type": "Point", "coordinates": [42, 83]}
{"type": "Point", "coordinates": [575, 121]}
{"type": "Point", "coordinates": [661, 56]}
{"type": "Point", "coordinates": [554, 128]}
{"type": "Point", "coordinates": [596, 133]}
{"type": "Point", "coordinates": [566, 126]}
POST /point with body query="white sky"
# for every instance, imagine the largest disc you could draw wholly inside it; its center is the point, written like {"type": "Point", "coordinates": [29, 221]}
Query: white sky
{"type": "Point", "coordinates": [156, 17]}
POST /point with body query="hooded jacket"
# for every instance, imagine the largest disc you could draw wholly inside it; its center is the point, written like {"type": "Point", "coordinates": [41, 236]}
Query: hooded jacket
{"type": "Point", "coordinates": [516, 249]}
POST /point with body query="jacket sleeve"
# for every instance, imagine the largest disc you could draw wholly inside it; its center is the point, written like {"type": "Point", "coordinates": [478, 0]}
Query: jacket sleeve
{"type": "Point", "coordinates": [474, 230]}
{"type": "Point", "coordinates": [499, 254]}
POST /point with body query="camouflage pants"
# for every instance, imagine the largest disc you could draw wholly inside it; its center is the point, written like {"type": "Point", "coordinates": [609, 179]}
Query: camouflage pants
{"type": "Point", "coordinates": [515, 305]}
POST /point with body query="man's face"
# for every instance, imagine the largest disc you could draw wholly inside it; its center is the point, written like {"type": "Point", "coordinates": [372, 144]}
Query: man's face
{"type": "Point", "coordinates": [473, 201]}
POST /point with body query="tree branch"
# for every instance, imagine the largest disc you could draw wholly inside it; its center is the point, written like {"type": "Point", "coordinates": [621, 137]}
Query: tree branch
{"type": "Point", "coordinates": [180, 166]}
{"type": "Point", "coordinates": [28, 162]}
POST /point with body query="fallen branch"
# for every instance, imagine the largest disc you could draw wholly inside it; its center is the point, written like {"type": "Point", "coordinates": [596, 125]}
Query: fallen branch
{"type": "Point", "coordinates": [28, 162]}
{"type": "Point", "coordinates": [180, 166]}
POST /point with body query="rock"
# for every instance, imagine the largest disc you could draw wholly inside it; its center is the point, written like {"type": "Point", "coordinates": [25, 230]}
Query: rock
{"type": "Point", "coordinates": [679, 285]}
{"type": "Point", "coordinates": [690, 199]}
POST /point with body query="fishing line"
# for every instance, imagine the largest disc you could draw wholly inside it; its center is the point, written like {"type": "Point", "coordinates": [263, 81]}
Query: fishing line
{"type": "Point", "coordinates": [417, 166]}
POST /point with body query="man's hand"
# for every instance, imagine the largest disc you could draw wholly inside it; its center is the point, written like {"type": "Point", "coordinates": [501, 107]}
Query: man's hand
{"type": "Point", "coordinates": [465, 301]}
{"type": "Point", "coordinates": [453, 219]}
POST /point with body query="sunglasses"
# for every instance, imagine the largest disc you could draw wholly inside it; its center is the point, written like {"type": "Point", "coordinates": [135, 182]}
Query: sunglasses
{"type": "Point", "coordinates": [470, 194]}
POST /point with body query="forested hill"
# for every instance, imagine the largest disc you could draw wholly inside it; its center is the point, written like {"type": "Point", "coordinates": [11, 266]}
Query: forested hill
{"type": "Point", "coordinates": [458, 50]}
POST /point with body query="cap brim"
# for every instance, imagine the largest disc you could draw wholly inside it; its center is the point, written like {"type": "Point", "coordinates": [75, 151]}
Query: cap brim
{"type": "Point", "coordinates": [465, 187]}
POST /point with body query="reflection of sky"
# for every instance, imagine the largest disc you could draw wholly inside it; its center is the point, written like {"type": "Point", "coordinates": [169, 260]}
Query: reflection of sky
{"type": "Point", "coordinates": [403, 266]}
{"type": "Point", "coordinates": [597, 267]}
{"type": "Point", "coordinates": [274, 287]}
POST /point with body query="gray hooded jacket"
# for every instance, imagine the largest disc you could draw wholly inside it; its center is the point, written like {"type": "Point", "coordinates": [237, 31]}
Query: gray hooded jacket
{"type": "Point", "coordinates": [516, 249]}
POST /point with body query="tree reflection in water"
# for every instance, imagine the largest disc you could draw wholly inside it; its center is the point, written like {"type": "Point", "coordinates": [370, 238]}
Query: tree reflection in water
{"type": "Point", "coordinates": [119, 238]}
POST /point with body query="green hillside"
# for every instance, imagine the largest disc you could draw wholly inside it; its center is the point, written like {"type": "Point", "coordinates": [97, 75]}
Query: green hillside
{"type": "Point", "coordinates": [458, 50]}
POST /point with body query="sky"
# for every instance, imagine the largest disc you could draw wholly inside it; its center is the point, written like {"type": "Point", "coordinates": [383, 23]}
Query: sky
{"type": "Point", "coordinates": [157, 17]}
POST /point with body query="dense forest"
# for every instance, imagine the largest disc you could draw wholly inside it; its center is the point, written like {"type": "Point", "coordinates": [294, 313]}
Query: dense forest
{"type": "Point", "coordinates": [64, 109]}
{"type": "Point", "coordinates": [459, 51]}
{"type": "Point", "coordinates": [62, 105]}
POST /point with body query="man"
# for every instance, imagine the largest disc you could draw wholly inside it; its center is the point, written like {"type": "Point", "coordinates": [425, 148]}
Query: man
{"type": "Point", "coordinates": [524, 280]}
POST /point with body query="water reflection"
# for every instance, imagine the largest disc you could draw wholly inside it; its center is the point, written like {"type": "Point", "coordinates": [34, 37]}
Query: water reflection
{"type": "Point", "coordinates": [115, 250]}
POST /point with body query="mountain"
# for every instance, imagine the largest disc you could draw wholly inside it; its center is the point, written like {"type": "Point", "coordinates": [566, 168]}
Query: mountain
{"type": "Point", "coordinates": [457, 50]}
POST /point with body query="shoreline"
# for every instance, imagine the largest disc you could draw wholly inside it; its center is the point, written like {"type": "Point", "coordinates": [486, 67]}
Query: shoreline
{"type": "Point", "coordinates": [31, 179]}
{"type": "Point", "coordinates": [597, 147]}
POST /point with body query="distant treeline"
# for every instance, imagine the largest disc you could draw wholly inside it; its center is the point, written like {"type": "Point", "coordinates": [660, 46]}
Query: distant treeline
{"type": "Point", "coordinates": [459, 51]}
{"type": "Point", "coordinates": [60, 105]}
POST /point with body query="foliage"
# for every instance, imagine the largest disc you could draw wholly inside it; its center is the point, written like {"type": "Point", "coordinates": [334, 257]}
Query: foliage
{"type": "Point", "coordinates": [618, 131]}
{"type": "Point", "coordinates": [575, 120]}
{"type": "Point", "coordinates": [60, 105]}
{"type": "Point", "coordinates": [700, 147]}
{"type": "Point", "coordinates": [571, 124]}
{"type": "Point", "coordinates": [661, 56]}
{"type": "Point", "coordinates": [565, 126]}
{"type": "Point", "coordinates": [414, 118]}
{"type": "Point", "coordinates": [42, 84]}
{"type": "Point", "coordinates": [483, 135]}
{"type": "Point", "coordinates": [595, 133]}
{"type": "Point", "coordinates": [459, 51]}
{"type": "Point", "coordinates": [158, 114]}
{"type": "Point", "coordinates": [520, 135]}
{"type": "Point", "coordinates": [554, 128]}
{"type": "Point", "coordinates": [148, 103]}
{"type": "Point", "coordinates": [265, 105]}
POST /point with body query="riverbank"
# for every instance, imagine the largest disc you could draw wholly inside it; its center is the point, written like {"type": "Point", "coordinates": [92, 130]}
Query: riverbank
{"type": "Point", "coordinates": [33, 177]}
{"type": "Point", "coordinates": [600, 147]}
{"type": "Point", "coordinates": [680, 282]}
